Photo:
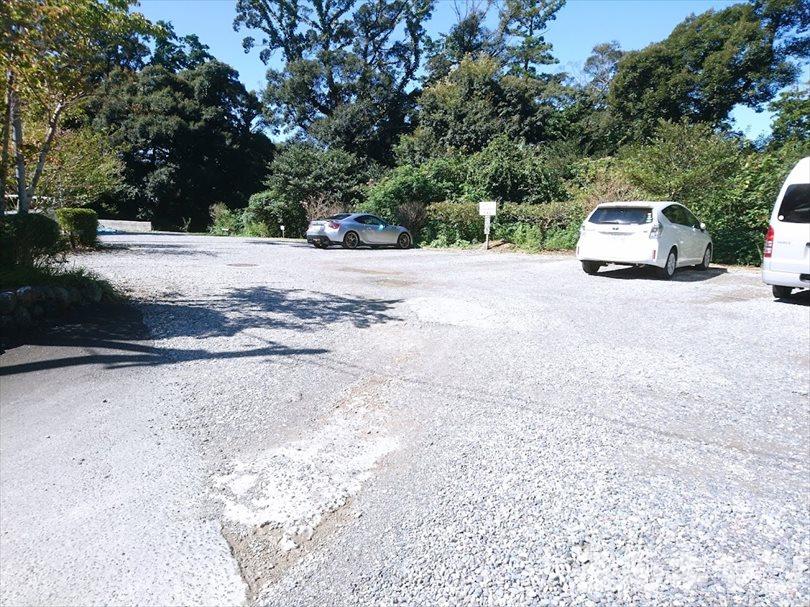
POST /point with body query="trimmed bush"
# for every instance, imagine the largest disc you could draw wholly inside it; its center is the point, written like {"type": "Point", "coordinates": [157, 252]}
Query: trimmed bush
{"type": "Point", "coordinates": [80, 226]}
{"type": "Point", "coordinates": [29, 240]}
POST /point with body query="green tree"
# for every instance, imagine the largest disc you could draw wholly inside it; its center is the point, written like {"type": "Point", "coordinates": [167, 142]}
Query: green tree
{"type": "Point", "coordinates": [526, 22]}
{"type": "Point", "coordinates": [177, 53]}
{"type": "Point", "coordinates": [304, 174]}
{"type": "Point", "coordinates": [188, 140]}
{"type": "Point", "coordinates": [468, 38]}
{"type": "Point", "coordinates": [685, 162]}
{"type": "Point", "coordinates": [587, 118]}
{"type": "Point", "coordinates": [476, 102]}
{"type": "Point", "coordinates": [343, 60]}
{"type": "Point", "coordinates": [709, 64]}
{"type": "Point", "coordinates": [513, 172]}
{"type": "Point", "coordinates": [83, 170]}
{"type": "Point", "coordinates": [792, 116]}
{"type": "Point", "coordinates": [53, 55]}
{"type": "Point", "coordinates": [600, 68]}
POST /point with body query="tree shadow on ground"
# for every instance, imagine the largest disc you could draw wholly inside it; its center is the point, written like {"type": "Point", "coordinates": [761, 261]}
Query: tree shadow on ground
{"type": "Point", "coordinates": [116, 336]}
{"type": "Point", "coordinates": [646, 273]}
{"type": "Point", "coordinates": [150, 248]}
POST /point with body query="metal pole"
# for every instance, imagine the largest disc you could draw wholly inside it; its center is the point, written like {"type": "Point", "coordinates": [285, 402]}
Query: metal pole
{"type": "Point", "coordinates": [486, 232]}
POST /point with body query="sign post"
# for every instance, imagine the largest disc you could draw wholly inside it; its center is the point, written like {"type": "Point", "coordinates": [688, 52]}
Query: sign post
{"type": "Point", "coordinates": [488, 209]}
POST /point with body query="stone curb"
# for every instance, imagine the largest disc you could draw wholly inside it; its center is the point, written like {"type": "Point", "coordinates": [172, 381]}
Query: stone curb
{"type": "Point", "coordinates": [23, 307]}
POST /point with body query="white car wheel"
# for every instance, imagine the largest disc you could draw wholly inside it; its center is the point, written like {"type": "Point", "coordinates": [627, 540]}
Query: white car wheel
{"type": "Point", "coordinates": [668, 271]}
{"type": "Point", "coordinates": [707, 259]}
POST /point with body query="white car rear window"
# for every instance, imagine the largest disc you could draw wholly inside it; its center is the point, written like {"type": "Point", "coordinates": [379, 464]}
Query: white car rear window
{"type": "Point", "coordinates": [622, 215]}
{"type": "Point", "coordinates": [795, 207]}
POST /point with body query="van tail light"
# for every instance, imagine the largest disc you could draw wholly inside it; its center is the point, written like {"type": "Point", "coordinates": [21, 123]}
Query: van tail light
{"type": "Point", "coordinates": [334, 225]}
{"type": "Point", "coordinates": [656, 230]}
{"type": "Point", "coordinates": [768, 242]}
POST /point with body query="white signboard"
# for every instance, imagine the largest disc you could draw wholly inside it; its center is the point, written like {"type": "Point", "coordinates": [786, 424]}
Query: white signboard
{"type": "Point", "coordinates": [487, 208]}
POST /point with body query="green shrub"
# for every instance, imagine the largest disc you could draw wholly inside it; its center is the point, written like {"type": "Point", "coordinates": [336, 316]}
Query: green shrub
{"type": "Point", "coordinates": [80, 226]}
{"type": "Point", "coordinates": [527, 236]}
{"type": "Point", "coordinates": [508, 170]}
{"type": "Point", "coordinates": [266, 213]}
{"type": "Point", "coordinates": [224, 221]}
{"type": "Point", "coordinates": [29, 240]}
{"type": "Point", "coordinates": [562, 238]}
{"type": "Point", "coordinates": [449, 222]}
{"type": "Point", "coordinates": [402, 197]}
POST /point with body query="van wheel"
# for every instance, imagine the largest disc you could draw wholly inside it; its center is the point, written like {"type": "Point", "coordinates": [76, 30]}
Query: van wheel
{"type": "Point", "coordinates": [707, 259]}
{"type": "Point", "coordinates": [591, 267]}
{"type": "Point", "coordinates": [668, 271]}
{"type": "Point", "coordinates": [780, 292]}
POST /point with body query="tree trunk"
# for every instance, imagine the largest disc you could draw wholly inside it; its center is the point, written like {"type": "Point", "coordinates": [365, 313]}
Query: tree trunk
{"type": "Point", "coordinates": [4, 154]}
{"type": "Point", "coordinates": [17, 127]}
{"type": "Point", "coordinates": [46, 147]}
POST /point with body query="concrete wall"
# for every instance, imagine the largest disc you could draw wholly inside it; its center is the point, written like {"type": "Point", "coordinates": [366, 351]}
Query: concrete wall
{"type": "Point", "coordinates": [119, 225]}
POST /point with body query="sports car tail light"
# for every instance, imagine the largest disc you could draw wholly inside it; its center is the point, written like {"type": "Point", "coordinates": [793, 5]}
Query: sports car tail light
{"type": "Point", "coordinates": [334, 225]}
{"type": "Point", "coordinates": [769, 242]}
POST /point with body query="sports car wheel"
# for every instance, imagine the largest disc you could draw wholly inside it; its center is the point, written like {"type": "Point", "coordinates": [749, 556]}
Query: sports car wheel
{"type": "Point", "coordinates": [404, 241]}
{"type": "Point", "coordinates": [351, 240]}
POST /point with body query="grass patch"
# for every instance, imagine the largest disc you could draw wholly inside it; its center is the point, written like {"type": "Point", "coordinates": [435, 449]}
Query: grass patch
{"type": "Point", "coordinates": [21, 276]}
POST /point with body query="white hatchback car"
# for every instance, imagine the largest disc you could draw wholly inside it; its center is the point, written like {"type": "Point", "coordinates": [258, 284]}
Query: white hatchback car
{"type": "Point", "coordinates": [786, 259]}
{"type": "Point", "coordinates": [665, 235]}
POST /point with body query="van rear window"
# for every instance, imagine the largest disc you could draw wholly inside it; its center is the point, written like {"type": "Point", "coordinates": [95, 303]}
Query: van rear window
{"type": "Point", "coordinates": [622, 215]}
{"type": "Point", "coordinates": [795, 206]}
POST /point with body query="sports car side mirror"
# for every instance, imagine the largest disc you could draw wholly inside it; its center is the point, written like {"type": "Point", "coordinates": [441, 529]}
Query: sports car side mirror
{"type": "Point", "coordinates": [702, 226]}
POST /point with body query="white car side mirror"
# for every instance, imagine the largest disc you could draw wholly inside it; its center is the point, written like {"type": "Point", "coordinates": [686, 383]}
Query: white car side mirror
{"type": "Point", "coordinates": [702, 226]}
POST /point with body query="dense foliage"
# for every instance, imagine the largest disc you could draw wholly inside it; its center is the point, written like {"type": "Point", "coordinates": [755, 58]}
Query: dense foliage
{"type": "Point", "coordinates": [187, 140]}
{"type": "Point", "coordinates": [106, 110]}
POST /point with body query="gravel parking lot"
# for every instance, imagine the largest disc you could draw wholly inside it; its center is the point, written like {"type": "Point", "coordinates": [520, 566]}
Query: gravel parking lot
{"type": "Point", "coordinates": [278, 425]}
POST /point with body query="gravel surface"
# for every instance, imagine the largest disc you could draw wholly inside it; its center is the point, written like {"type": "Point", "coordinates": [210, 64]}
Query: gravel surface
{"type": "Point", "coordinates": [428, 428]}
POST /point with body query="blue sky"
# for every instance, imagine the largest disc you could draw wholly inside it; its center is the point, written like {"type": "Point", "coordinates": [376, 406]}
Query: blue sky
{"type": "Point", "coordinates": [580, 25]}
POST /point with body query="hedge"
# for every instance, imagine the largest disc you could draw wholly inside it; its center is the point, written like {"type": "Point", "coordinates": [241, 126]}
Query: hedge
{"type": "Point", "coordinates": [552, 225]}
{"type": "Point", "coordinates": [80, 225]}
{"type": "Point", "coordinates": [28, 240]}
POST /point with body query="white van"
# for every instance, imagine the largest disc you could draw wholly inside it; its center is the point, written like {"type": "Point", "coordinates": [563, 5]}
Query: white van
{"type": "Point", "coordinates": [786, 258]}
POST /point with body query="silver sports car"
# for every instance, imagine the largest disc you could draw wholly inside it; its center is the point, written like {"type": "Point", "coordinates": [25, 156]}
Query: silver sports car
{"type": "Point", "coordinates": [353, 229]}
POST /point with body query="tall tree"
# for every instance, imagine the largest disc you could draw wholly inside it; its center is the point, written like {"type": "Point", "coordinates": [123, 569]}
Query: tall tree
{"type": "Point", "coordinates": [343, 60]}
{"type": "Point", "coordinates": [792, 116]}
{"type": "Point", "coordinates": [187, 140]}
{"type": "Point", "coordinates": [478, 101]}
{"type": "Point", "coordinates": [468, 38]}
{"type": "Point", "coordinates": [177, 53]}
{"type": "Point", "coordinates": [589, 120]}
{"type": "Point", "coordinates": [600, 67]}
{"type": "Point", "coordinates": [525, 22]}
{"type": "Point", "coordinates": [709, 64]}
{"type": "Point", "coordinates": [56, 54]}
